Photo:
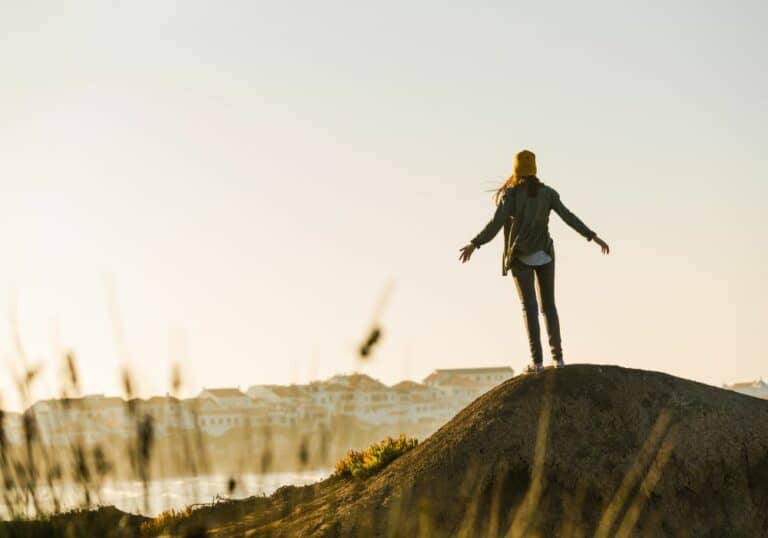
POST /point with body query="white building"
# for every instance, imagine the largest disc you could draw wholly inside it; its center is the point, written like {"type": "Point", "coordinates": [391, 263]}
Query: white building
{"type": "Point", "coordinates": [88, 419]}
{"type": "Point", "coordinates": [278, 394]}
{"type": "Point", "coordinates": [327, 395]}
{"type": "Point", "coordinates": [460, 386]}
{"type": "Point", "coordinates": [423, 403]}
{"type": "Point", "coordinates": [169, 414]}
{"type": "Point", "coordinates": [759, 388]}
{"type": "Point", "coordinates": [227, 397]}
{"type": "Point", "coordinates": [411, 390]}
{"type": "Point", "coordinates": [488, 377]}
{"type": "Point", "coordinates": [215, 420]}
{"type": "Point", "coordinates": [305, 406]}
{"type": "Point", "coordinates": [365, 399]}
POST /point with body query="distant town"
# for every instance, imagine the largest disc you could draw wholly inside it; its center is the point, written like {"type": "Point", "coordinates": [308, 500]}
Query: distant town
{"type": "Point", "coordinates": [356, 398]}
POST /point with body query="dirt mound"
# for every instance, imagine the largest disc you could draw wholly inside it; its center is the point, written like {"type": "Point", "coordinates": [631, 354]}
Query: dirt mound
{"type": "Point", "coordinates": [586, 450]}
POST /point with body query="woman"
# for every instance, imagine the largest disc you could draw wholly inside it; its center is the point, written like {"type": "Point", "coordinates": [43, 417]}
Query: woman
{"type": "Point", "coordinates": [523, 205]}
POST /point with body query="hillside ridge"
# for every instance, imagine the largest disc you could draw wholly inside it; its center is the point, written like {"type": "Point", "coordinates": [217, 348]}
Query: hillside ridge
{"type": "Point", "coordinates": [601, 449]}
{"type": "Point", "coordinates": [585, 450]}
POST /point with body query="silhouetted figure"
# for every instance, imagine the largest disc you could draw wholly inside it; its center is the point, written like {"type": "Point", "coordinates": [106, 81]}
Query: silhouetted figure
{"type": "Point", "coordinates": [523, 204]}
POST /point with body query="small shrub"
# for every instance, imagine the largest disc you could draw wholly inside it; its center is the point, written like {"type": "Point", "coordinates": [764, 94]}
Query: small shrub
{"type": "Point", "coordinates": [164, 520]}
{"type": "Point", "coordinates": [360, 464]}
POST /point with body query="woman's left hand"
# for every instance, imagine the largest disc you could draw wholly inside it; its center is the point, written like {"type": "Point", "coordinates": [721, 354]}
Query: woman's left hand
{"type": "Point", "coordinates": [466, 253]}
{"type": "Point", "coordinates": [603, 245]}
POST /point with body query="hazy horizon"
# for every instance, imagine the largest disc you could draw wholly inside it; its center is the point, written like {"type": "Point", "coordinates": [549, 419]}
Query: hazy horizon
{"type": "Point", "coordinates": [234, 185]}
{"type": "Point", "coordinates": [242, 387]}
{"type": "Point", "coordinates": [192, 393]}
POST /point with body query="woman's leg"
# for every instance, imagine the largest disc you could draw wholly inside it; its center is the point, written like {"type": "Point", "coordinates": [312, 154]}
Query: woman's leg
{"type": "Point", "coordinates": [545, 274]}
{"type": "Point", "coordinates": [526, 289]}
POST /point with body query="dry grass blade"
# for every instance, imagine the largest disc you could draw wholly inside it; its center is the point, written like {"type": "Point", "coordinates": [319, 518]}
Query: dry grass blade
{"type": "Point", "coordinates": [375, 331]}
{"type": "Point", "coordinates": [572, 526]}
{"type": "Point", "coordinates": [527, 509]}
{"type": "Point", "coordinates": [495, 510]}
{"type": "Point", "coordinates": [466, 529]}
{"type": "Point", "coordinates": [616, 505]}
{"type": "Point", "coordinates": [648, 484]}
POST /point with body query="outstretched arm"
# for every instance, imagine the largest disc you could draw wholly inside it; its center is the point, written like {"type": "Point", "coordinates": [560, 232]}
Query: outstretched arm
{"type": "Point", "coordinates": [503, 213]}
{"type": "Point", "coordinates": [575, 222]}
{"type": "Point", "coordinates": [570, 219]}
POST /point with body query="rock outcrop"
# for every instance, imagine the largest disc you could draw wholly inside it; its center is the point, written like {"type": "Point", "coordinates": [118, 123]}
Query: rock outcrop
{"type": "Point", "coordinates": [586, 450]}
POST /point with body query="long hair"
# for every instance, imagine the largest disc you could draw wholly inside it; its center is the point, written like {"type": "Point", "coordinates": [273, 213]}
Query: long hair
{"type": "Point", "coordinates": [532, 182]}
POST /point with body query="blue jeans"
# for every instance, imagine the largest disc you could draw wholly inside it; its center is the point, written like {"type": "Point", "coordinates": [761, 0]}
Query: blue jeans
{"type": "Point", "coordinates": [524, 281]}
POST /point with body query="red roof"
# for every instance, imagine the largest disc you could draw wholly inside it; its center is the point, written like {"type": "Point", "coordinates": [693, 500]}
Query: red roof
{"type": "Point", "coordinates": [225, 392]}
{"type": "Point", "coordinates": [409, 386]}
{"type": "Point", "coordinates": [358, 382]}
{"type": "Point", "coordinates": [335, 387]}
{"type": "Point", "coordinates": [291, 391]}
{"type": "Point", "coordinates": [473, 371]}
{"type": "Point", "coordinates": [449, 375]}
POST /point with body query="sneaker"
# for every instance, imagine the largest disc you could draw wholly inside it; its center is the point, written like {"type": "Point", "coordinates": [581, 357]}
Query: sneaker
{"type": "Point", "coordinates": [559, 363]}
{"type": "Point", "coordinates": [533, 368]}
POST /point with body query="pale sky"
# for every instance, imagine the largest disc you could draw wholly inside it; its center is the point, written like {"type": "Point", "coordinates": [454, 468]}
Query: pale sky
{"type": "Point", "coordinates": [243, 179]}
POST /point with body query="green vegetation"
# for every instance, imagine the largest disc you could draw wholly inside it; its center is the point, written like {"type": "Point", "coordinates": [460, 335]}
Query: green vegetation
{"type": "Point", "coordinates": [360, 464]}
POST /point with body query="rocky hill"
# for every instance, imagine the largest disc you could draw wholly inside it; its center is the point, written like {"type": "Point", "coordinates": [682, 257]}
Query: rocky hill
{"type": "Point", "coordinates": [583, 451]}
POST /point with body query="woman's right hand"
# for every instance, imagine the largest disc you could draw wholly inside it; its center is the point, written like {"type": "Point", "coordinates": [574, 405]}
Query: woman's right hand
{"type": "Point", "coordinates": [466, 253]}
{"type": "Point", "coordinates": [603, 245]}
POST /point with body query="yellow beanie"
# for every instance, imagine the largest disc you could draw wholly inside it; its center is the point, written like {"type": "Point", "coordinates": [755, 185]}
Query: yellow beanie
{"type": "Point", "coordinates": [525, 164]}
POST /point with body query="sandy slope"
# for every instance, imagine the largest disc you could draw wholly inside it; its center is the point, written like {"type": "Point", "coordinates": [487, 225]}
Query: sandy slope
{"type": "Point", "coordinates": [587, 449]}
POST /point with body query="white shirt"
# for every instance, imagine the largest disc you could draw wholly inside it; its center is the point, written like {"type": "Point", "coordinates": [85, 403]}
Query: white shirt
{"type": "Point", "coordinates": [536, 258]}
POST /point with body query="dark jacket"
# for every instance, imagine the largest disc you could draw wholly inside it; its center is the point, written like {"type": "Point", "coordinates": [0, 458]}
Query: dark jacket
{"type": "Point", "coordinates": [525, 220]}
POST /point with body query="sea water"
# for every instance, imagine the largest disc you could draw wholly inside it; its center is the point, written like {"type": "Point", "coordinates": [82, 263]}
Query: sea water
{"type": "Point", "coordinates": [171, 493]}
